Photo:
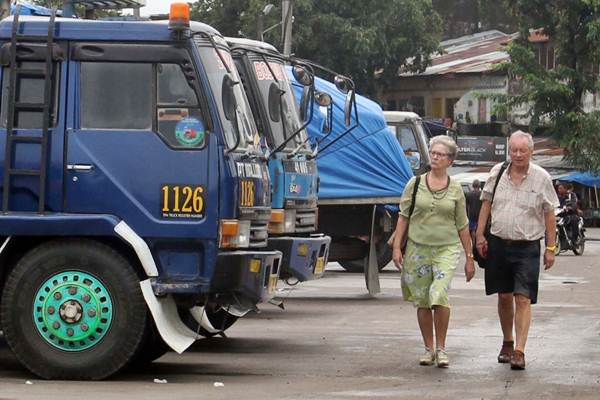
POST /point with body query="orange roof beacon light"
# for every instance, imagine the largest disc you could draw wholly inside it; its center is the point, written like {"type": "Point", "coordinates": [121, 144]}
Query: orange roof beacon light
{"type": "Point", "coordinates": [179, 17]}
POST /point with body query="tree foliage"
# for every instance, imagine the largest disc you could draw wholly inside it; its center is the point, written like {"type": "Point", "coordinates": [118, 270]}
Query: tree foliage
{"type": "Point", "coordinates": [464, 17]}
{"type": "Point", "coordinates": [554, 98]}
{"type": "Point", "coordinates": [367, 40]}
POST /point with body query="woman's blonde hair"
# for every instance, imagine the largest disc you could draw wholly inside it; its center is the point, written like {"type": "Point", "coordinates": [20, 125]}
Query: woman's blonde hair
{"type": "Point", "coordinates": [446, 141]}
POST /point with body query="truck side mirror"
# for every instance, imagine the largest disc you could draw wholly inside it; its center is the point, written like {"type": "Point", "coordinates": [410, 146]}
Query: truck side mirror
{"type": "Point", "coordinates": [325, 100]}
{"type": "Point", "coordinates": [350, 99]}
{"type": "Point", "coordinates": [341, 84]}
{"type": "Point", "coordinates": [274, 102]}
{"type": "Point", "coordinates": [305, 102]}
{"type": "Point", "coordinates": [302, 75]}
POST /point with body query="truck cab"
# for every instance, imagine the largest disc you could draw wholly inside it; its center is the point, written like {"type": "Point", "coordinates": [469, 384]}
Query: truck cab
{"type": "Point", "coordinates": [292, 167]}
{"type": "Point", "coordinates": [134, 195]}
{"type": "Point", "coordinates": [409, 130]}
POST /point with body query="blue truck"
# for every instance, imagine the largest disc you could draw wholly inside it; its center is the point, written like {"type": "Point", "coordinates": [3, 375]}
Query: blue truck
{"type": "Point", "coordinates": [134, 196]}
{"type": "Point", "coordinates": [292, 167]}
{"type": "Point", "coordinates": [362, 174]}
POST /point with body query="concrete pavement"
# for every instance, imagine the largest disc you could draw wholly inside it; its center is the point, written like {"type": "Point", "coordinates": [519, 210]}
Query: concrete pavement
{"type": "Point", "coordinates": [333, 341]}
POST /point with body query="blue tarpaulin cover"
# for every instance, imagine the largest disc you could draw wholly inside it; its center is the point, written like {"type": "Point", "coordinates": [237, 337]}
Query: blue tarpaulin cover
{"type": "Point", "coordinates": [368, 161]}
{"type": "Point", "coordinates": [32, 9]}
{"type": "Point", "coordinates": [584, 178]}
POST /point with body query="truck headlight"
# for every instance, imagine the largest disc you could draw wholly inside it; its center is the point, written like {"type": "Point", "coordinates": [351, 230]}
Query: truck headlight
{"type": "Point", "coordinates": [234, 234]}
{"type": "Point", "coordinates": [282, 221]}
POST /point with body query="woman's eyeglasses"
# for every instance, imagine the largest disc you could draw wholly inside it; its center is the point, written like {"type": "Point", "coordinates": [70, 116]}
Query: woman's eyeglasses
{"type": "Point", "coordinates": [436, 154]}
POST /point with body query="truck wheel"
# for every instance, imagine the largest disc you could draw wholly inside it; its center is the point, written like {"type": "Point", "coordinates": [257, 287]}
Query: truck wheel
{"type": "Point", "coordinates": [384, 256]}
{"type": "Point", "coordinates": [73, 309]}
{"type": "Point", "coordinates": [151, 348]}
{"type": "Point", "coordinates": [218, 317]}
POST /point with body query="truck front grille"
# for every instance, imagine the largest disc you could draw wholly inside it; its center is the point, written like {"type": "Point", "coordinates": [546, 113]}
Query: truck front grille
{"type": "Point", "coordinates": [306, 220]}
{"type": "Point", "coordinates": [259, 221]}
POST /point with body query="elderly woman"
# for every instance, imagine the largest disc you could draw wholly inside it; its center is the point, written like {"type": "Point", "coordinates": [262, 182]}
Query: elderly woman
{"type": "Point", "coordinates": [438, 225]}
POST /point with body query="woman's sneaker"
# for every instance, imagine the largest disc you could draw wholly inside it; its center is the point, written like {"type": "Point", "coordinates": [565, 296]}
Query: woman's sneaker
{"type": "Point", "coordinates": [441, 358]}
{"type": "Point", "coordinates": [428, 358]}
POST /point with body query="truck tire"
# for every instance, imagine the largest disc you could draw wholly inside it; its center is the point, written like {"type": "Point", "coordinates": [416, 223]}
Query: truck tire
{"type": "Point", "coordinates": [151, 348]}
{"type": "Point", "coordinates": [384, 256]}
{"type": "Point", "coordinates": [73, 309]}
{"type": "Point", "coordinates": [218, 317]}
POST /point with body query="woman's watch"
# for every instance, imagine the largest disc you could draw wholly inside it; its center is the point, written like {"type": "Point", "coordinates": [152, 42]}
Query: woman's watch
{"type": "Point", "coordinates": [551, 248]}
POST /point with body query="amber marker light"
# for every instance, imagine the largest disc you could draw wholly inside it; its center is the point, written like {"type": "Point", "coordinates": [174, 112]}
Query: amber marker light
{"type": "Point", "coordinates": [179, 16]}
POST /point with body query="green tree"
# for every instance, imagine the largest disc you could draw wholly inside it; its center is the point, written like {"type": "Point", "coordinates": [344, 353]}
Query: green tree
{"type": "Point", "coordinates": [464, 17]}
{"type": "Point", "coordinates": [79, 9]}
{"type": "Point", "coordinates": [366, 40]}
{"type": "Point", "coordinates": [554, 98]}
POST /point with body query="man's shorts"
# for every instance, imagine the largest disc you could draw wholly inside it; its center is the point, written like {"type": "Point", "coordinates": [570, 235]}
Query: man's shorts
{"type": "Point", "coordinates": [514, 267]}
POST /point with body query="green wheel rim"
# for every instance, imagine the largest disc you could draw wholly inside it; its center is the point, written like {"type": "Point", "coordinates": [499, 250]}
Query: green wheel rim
{"type": "Point", "coordinates": [72, 311]}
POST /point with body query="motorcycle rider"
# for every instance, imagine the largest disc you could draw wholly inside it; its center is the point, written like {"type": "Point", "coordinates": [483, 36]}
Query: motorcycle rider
{"type": "Point", "coordinates": [568, 200]}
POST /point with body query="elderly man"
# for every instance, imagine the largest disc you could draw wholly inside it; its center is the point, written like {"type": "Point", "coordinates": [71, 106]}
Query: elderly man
{"type": "Point", "coordinates": [522, 213]}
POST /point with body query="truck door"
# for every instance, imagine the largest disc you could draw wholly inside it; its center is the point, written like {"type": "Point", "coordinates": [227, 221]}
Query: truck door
{"type": "Point", "coordinates": [138, 143]}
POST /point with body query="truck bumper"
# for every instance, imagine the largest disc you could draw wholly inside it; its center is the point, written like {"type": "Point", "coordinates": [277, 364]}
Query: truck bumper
{"type": "Point", "coordinates": [249, 275]}
{"type": "Point", "coordinates": [304, 258]}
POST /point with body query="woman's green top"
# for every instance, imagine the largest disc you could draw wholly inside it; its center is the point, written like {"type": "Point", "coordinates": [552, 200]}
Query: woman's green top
{"type": "Point", "coordinates": [437, 216]}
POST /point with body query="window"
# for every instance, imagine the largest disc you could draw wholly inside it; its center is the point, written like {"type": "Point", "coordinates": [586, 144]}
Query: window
{"type": "Point", "coordinates": [178, 115]}
{"type": "Point", "coordinates": [120, 95]}
{"type": "Point", "coordinates": [408, 141]}
{"type": "Point", "coordinates": [406, 136]}
{"type": "Point", "coordinates": [116, 95]}
{"type": "Point", "coordinates": [29, 89]}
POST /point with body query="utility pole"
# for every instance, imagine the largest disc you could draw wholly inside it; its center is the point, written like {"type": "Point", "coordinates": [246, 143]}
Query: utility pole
{"type": "Point", "coordinates": [287, 7]}
{"type": "Point", "coordinates": [260, 26]}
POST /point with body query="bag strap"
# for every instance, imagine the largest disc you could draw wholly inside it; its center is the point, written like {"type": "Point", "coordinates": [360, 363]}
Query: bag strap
{"type": "Point", "coordinates": [414, 196]}
{"type": "Point", "coordinates": [502, 169]}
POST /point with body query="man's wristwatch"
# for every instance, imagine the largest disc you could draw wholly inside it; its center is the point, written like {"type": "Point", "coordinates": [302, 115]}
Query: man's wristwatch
{"type": "Point", "coordinates": [470, 255]}
{"type": "Point", "coordinates": [551, 248]}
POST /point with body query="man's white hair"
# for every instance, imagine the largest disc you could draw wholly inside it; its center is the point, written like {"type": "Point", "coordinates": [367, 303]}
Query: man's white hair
{"type": "Point", "coordinates": [521, 134]}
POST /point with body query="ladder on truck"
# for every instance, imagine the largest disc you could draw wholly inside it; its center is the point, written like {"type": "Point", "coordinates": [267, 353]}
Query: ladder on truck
{"type": "Point", "coordinates": [16, 73]}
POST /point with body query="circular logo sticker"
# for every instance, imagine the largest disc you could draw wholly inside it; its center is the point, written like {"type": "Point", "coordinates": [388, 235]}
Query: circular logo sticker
{"type": "Point", "coordinates": [190, 132]}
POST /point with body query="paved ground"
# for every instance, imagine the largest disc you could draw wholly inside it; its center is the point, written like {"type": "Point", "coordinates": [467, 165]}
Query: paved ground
{"type": "Point", "coordinates": [335, 342]}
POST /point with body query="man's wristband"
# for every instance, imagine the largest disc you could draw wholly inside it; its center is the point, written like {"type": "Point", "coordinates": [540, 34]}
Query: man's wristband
{"type": "Point", "coordinates": [551, 248]}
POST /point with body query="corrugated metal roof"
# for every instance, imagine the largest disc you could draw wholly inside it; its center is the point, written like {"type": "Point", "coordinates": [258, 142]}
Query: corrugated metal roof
{"type": "Point", "coordinates": [469, 54]}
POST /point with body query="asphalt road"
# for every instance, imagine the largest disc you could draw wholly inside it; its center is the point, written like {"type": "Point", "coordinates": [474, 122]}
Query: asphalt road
{"type": "Point", "coordinates": [333, 341]}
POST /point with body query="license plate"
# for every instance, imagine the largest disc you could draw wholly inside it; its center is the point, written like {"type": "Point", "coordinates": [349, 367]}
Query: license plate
{"type": "Point", "coordinates": [320, 266]}
{"type": "Point", "coordinates": [272, 283]}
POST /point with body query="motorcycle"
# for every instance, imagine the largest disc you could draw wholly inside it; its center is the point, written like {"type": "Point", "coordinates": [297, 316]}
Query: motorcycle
{"type": "Point", "coordinates": [564, 242]}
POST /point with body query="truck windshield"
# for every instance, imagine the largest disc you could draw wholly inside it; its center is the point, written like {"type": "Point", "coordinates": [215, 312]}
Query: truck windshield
{"type": "Point", "coordinates": [281, 130]}
{"type": "Point", "coordinates": [216, 71]}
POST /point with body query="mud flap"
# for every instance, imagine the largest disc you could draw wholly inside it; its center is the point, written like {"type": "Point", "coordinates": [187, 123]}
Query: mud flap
{"type": "Point", "coordinates": [164, 311]}
{"type": "Point", "coordinates": [371, 267]}
{"type": "Point", "coordinates": [197, 312]}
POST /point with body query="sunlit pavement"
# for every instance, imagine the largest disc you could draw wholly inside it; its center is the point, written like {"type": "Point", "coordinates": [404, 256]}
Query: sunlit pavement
{"type": "Point", "coordinates": [334, 341]}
